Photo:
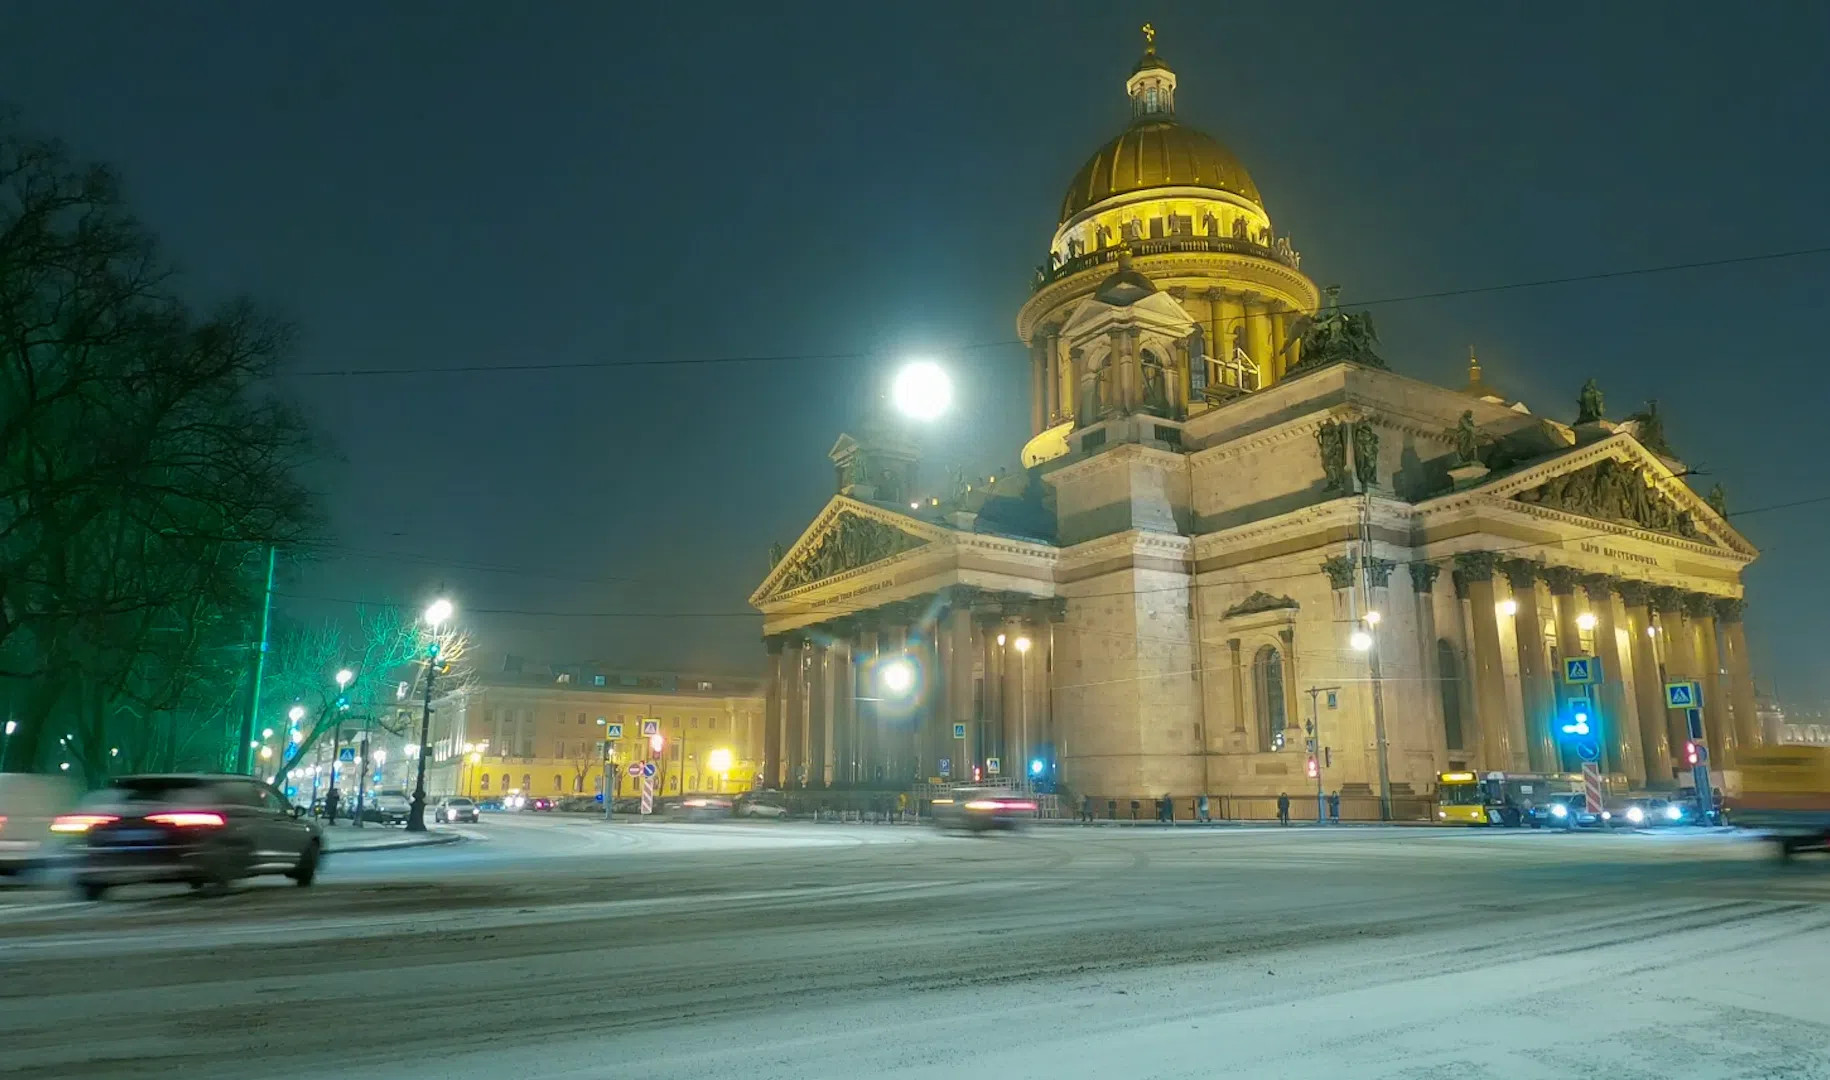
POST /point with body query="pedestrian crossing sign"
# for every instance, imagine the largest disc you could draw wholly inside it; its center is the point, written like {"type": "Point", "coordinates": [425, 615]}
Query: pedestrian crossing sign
{"type": "Point", "coordinates": [347, 754]}
{"type": "Point", "coordinates": [651, 727]}
{"type": "Point", "coordinates": [993, 766]}
{"type": "Point", "coordinates": [959, 731]}
{"type": "Point", "coordinates": [1681, 695]}
{"type": "Point", "coordinates": [613, 731]}
{"type": "Point", "coordinates": [1581, 669]}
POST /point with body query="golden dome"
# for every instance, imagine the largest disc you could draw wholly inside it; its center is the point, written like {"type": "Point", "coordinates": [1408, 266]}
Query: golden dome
{"type": "Point", "coordinates": [1157, 152]}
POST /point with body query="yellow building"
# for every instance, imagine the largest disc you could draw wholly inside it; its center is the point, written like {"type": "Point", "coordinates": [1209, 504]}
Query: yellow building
{"type": "Point", "coordinates": [542, 732]}
{"type": "Point", "coordinates": [1237, 531]}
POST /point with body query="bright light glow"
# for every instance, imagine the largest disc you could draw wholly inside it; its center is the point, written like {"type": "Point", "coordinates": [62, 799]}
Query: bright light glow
{"type": "Point", "coordinates": [719, 761]}
{"type": "Point", "coordinates": [1586, 620]}
{"type": "Point", "coordinates": [266, 733]}
{"type": "Point", "coordinates": [1635, 814]}
{"type": "Point", "coordinates": [1373, 617]}
{"type": "Point", "coordinates": [344, 677]}
{"type": "Point", "coordinates": [469, 746]}
{"type": "Point", "coordinates": [65, 766]}
{"type": "Point", "coordinates": [252, 743]}
{"type": "Point", "coordinates": [1673, 813]}
{"type": "Point", "coordinates": [75, 823]}
{"type": "Point", "coordinates": [188, 819]}
{"type": "Point", "coordinates": [114, 751]}
{"type": "Point", "coordinates": [914, 506]}
{"type": "Point", "coordinates": [1508, 607]}
{"type": "Point", "coordinates": [1651, 631]}
{"type": "Point", "coordinates": [298, 736]}
{"type": "Point", "coordinates": [1607, 815]}
{"type": "Point", "coordinates": [266, 753]}
{"type": "Point", "coordinates": [296, 713]}
{"type": "Point", "coordinates": [1000, 640]}
{"type": "Point", "coordinates": [898, 677]}
{"type": "Point", "coordinates": [475, 758]}
{"type": "Point", "coordinates": [922, 390]}
{"type": "Point", "coordinates": [1035, 767]}
{"type": "Point", "coordinates": [438, 611]}
{"type": "Point", "coordinates": [657, 742]}
{"type": "Point", "coordinates": [12, 726]}
{"type": "Point", "coordinates": [1559, 810]}
{"type": "Point", "coordinates": [380, 756]}
{"type": "Point", "coordinates": [1022, 644]}
{"type": "Point", "coordinates": [1360, 640]}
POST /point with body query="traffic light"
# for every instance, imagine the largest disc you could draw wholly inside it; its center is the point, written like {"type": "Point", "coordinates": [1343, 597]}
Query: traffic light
{"type": "Point", "coordinates": [342, 701]}
{"type": "Point", "coordinates": [1277, 739]}
{"type": "Point", "coordinates": [1313, 771]}
{"type": "Point", "coordinates": [1691, 757]}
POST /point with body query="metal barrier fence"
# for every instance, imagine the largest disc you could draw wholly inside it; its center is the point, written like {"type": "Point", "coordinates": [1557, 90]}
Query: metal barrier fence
{"type": "Point", "coordinates": [1253, 808]}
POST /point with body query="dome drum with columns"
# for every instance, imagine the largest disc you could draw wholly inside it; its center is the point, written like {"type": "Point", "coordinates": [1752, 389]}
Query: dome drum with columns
{"type": "Point", "coordinates": [1211, 525]}
{"type": "Point", "coordinates": [1183, 210]}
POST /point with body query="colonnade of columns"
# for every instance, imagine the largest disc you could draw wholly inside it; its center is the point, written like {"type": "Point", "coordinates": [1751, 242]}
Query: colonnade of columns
{"type": "Point", "coordinates": [1670, 635]}
{"type": "Point", "coordinates": [881, 698]}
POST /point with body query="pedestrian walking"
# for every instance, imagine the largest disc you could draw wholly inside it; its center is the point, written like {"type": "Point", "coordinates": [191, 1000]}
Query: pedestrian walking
{"type": "Point", "coordinates": [1334, 807]}
{"type": "Point", "coordinates": [1166, 810]}
{"type": "Point", "coordinates": [1283, 808]}
{"type": "Point", "coordinates": [1086, 808]}
{"type": "Point", "coordinates": [330, 805]}
{"type": "Point", "coordinates": [1201, 810]}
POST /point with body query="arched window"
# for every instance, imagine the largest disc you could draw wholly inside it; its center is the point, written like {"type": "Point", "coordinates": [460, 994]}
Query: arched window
{"type": "Point", "coordinates": [1448, 663]}
{"type": "Point", "coordinates": [527, 783]}
{"type": "Point", "coordinates": [559, 783]}
{"type": "Point", "coordinates": [484, 778]}
{"type": "Point", "coordinates": [1268, 690]}
{"type": "Point", "coordinates": [578, 783]}
{"type": "Point", "coordinates": [1156, 382]}
{"type": "Point", "coordinates": [505, 781]}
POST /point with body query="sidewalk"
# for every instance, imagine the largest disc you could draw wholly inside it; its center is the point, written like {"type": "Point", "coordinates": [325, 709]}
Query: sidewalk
{"type": "Point", "coordinates": [344, 838]}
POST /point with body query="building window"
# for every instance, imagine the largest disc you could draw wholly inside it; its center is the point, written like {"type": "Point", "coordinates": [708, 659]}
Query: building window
{"type": "Point", "coordinates": [1268, 687]}
{"type": "Point", "coordinates": [527, 783]}
{"type": "Point", "coordinates": [559, 783]}
{"type": "Point", "coordinates": [483, 781]}
{"type": "Point", "coordinates": [1449, 678]}
{"type": "Point", "coordinates": [578, 783]}
{"type": "Point", "coordinates": [674, 723]}
{"type": "Point", "coordinates": [705, 686]}
{"type": "Point", "coordinates": [695, 721]}
{"type": "Point", "coordinates": [581, 719]}
{"type": "Point", "coordinates": [505, 781]}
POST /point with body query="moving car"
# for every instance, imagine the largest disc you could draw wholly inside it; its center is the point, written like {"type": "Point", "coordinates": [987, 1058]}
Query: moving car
{"type": "Point", "coordinates": [982, 809]}
{"type": "Point", "coordinates": [541, 803]}
{"type": "Point", "coordinates": [756, 804]}
{"type": "Point", "coordinates": [1646, 812]}
{"type": "Point", "coordinates": [699, 807]}
{"type": "Point", "coordinates": [454, 810]}
{"type": "Point", "coordinates": [201, 830]}
{"type": "Point", "coordinates": [388, 807]}
{"type": "Point", "coordinates": [28, 805]}
{"type": "Point", "coordinates": [1569, 810]}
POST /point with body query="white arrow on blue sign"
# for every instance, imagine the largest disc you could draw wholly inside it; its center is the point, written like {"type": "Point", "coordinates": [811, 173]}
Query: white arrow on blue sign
{"type": "Point", "coordinates": [647, 768]}
{"type": "Point", "coordinates": [1588, 749]}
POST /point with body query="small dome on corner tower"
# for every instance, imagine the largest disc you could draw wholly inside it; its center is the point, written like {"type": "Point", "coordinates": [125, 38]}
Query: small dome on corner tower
{"type": "Point", "coordinates": [1125, 286]}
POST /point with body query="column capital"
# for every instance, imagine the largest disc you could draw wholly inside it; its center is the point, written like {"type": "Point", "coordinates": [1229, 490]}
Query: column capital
{"type": "Point", "coordinates": [1599, 587]}
{"type": "Point", "coordinates": [1476, 565]}
{"type": "Point", "coordinates": [1634, 593]}
{"type": "Point", "coordinates": [1730, 609]}
{"type": "Point", "coordinates": [1562, 579]}
{"type": "Point", "coordinates": [1521, 573]}
{"type": "Point", "coordinates": [1423, 575]}
{"type": "Point", "coordinates": [1699, 606]}
{"type": "Point", "coordinates": [1233, 644]}
{"type": "Point", "coordinates": [1667, 599]}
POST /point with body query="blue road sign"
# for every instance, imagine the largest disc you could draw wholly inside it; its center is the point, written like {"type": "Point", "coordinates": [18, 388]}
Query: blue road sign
{"type": "Point", "coordinates": [347, 754]}
{"type": "Point", "coordinates": [959, 731]}
{"type": "Point", "coordinates": [993, 766]}
{"type": "Point", "coordinates": [613, 731]}
{"type": "Point", "coordinates": [1588, 749]}
{"type": "Point", "coordinates": [1693, 719]}
{"type": "Point", "coordinates": [1580, 669]}
{"type": "Point", "coordinates": [1681, 695]}
{"type": "Point", "coordinates": [651, 727]}
{"type": "Point", "coordinates": [946, 766]}
{"type": "Point", "coordinates": [647, 768]}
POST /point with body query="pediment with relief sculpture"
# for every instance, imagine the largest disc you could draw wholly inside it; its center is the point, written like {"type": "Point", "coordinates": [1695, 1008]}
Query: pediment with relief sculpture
{"type": "Point", "coordinates": [848, 536]}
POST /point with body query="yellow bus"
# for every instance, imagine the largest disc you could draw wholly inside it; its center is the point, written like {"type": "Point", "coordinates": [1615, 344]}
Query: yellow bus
{"type": "Point", "coordinates": [1470, 798]}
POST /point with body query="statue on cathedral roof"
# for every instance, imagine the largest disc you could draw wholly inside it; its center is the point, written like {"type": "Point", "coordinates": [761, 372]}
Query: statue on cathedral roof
{"type": "Point", "coordinates": [1589, 404]}
{"type": "Point", "coordinates": [1337, 335]}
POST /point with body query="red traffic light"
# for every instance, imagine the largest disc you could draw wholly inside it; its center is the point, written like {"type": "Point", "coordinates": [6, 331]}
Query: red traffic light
{"type": "Point", "coordinates": [1690, 753]}
{"type": "Point", "coordinates": [1313, 772]}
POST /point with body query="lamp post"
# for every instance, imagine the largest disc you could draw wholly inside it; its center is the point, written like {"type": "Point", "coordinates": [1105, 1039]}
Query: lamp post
{"type": "Point", "coordinates": [437, 613]}
{"type": "Point", "coordinates": [1022, 646]}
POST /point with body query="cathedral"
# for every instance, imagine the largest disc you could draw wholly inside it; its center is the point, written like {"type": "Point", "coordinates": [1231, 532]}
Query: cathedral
{"type": "Point", "coordinates": [1244, 557]}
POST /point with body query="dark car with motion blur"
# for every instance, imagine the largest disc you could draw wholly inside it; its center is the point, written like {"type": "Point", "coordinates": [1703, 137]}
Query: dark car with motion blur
{"type": "Point", "coordinates": [982, 809]}
{"type": "Point", "coordinates": [701, 807]}
{"type": "Point", "coordinates": [454, 811]}
{"type": "Point", "coordinates": [541, 804]}
{"type": "Point", "coordinates": [200, 830]}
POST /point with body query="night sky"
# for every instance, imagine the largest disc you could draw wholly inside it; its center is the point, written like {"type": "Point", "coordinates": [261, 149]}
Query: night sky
{"type": "Point", "coordinates": [448, 185]}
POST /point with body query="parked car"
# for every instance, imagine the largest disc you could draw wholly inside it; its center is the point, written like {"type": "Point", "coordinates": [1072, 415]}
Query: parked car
{"type": "Point", "coordinates": [29, 803]}
{"type": "Point", "coordinates": [1645, 812]}
{"type": "Point", "coordinates": [454, 810]}
{"type": "Point", "coordinates": [202, 830]}
{"type": "Point", "coordinates": [982, 809]}
{"type": "Point", "coordinates": [760, 804]}
{"type": "Point", "coordinates": [540, 803]}
{"type": "Point", "coordinates": [388, 807]}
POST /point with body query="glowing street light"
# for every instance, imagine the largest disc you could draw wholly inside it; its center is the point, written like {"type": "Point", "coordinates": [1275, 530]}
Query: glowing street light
{"type": "Point", "coordinates": [897, 677]}
{"type": "Point", "coordinates": [438, 612]}
{"type": "Point", "coordinates": [266, 733]}
{"type": "Point", "coordinates": [344, 677]}
{"type": "Point", "coordinates": [1022, 644]}
{"type": "Point", "coordinates": [1360, 640]}
{"type": "Point", "coordinates": [296, 713]}
{"type": "Point", "coordinates": [1508, 607]}
{"type": "Point", "coordinates": [1372, 618]}
{"type": "Point", "coordinates": [1586, 621]}
{"type": "Point", "coordinates": [922, 390]}
{"type": "Point", "coordinates": [719, 761]}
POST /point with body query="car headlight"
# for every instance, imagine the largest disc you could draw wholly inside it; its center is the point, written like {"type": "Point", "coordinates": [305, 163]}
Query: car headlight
{"type": "Point", "coordinates": [1442, 813]}
{"type": "Point", "coordinates": [1559, 810]}
{"type": "Point", "coordinates": [1674, 813]}
{"type": "Point", "coordinates": [1607, 815]}
{"type": "Point", "coordinates": [1635, 814]}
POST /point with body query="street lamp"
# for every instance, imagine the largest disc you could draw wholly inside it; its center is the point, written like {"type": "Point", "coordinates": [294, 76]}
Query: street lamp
{"type": "Point", "coordinates": [922, 390]}
{"type": "Point", "coordinates": [897, 677]}
{"type": "Point", "coordinates": [1360, 640]}
{"type": "Point", "coordinates": [344, 677]}
{"type": "Point", "coordinates": [1508, 607]}
{"type": "Point", "coordinates": [1022, 644]}
{"type": "Point", "coordinates": [296, 713]}
{"type": "Point", "coordinates": [1585, 621]}
{"type": "Point", "coordinates": [437, 614]}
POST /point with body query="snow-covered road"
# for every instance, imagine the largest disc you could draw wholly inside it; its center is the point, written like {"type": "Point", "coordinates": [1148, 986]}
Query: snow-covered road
{"type": "Point", "coordinates": [561, 948]}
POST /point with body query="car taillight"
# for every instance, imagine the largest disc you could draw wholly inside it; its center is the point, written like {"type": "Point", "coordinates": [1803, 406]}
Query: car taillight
{"type": "Point", "coordinates": [1019, 805]}
{"type": "Point", "coordinates": [188, 819]}
{"type": "Point", "coordinates": [79, 823]}
{"type": "Point", "coordinates": [982, 804]}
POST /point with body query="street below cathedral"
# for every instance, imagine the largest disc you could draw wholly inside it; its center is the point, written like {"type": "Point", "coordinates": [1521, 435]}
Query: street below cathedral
{"type": "Point", "coordinates": [562, 947]}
